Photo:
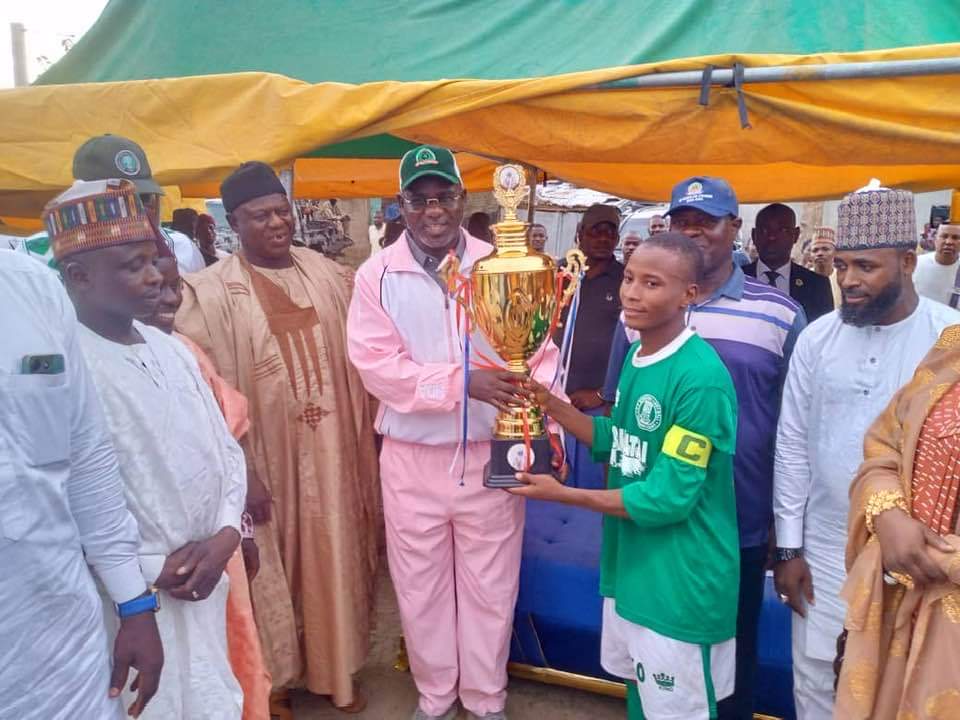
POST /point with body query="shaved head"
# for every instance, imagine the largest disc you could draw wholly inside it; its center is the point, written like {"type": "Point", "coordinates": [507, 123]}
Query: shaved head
{"type": "Point", "coordinates": [947, 243]}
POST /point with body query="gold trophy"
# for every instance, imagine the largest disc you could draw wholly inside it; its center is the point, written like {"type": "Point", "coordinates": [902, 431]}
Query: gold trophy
{"type": "Point", "coordinates": [514, 297]}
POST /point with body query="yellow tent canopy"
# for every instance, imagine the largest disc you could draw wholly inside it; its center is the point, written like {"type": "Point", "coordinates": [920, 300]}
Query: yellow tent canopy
{"type": "Point", "coordinates": [633, 131]}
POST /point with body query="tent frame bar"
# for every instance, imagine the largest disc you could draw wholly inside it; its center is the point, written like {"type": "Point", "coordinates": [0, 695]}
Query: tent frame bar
{"type": "Point", "coordinates": [790, 73]}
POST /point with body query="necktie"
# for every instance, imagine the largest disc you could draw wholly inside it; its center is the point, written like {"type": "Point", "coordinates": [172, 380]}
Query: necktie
{"type": "Point", "coordinates": [772, 276]}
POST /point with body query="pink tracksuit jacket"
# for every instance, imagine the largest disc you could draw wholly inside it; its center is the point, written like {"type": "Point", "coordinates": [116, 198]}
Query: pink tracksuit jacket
{"type": "Point", "coordinates": [453, 548]}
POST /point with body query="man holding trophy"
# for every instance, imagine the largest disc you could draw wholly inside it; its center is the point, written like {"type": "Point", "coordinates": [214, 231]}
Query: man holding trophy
{"type": "Point", "coordinates": [453, 540]}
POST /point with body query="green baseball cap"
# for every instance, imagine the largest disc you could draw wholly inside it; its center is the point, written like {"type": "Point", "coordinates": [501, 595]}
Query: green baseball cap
{"type": "Point", "coordinates": [111, 156]}
{"type": "Point", "coordinates": [428, 160]}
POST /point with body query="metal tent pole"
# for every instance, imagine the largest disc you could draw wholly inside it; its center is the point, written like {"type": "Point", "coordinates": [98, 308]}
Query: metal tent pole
{"type": "Point", "coordinates": [791, 73]}
{"type": "Point", "coordinates": [532, 176]}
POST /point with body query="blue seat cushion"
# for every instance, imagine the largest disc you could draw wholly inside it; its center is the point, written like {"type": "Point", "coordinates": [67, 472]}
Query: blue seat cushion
{"type": "Point", "coordinates": [559, 608]}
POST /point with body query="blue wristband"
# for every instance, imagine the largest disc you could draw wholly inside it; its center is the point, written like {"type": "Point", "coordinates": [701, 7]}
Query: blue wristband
{"type": "Point", "coordinates": [145, 603]}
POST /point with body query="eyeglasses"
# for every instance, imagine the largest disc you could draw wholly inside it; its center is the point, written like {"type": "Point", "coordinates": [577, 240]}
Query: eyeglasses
{"type": "Point", "coordinates": [448, 201]}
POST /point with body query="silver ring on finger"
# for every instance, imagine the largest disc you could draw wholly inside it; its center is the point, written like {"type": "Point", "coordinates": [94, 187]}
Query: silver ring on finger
{"type": "Point", "coordinates": [195, 594]}
{"type": "Point", "coordinates": [784, 598]}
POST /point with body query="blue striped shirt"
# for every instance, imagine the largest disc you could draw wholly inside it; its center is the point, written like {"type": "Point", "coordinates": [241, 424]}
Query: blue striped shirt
{"type": "Point", "coordinates": [753, 327]}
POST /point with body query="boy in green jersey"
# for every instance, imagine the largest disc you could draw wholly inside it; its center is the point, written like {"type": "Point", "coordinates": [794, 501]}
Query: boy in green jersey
{"type": "Point", "coordinates": [670, 560]}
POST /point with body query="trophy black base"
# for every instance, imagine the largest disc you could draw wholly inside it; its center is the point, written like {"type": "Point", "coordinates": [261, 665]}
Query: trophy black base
{"type": "Point", "coordinates": [508, 457]}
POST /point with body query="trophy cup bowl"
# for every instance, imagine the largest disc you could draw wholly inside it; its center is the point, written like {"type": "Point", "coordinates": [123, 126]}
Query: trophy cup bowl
{"type": "Point", "coordinates": [514, 299]}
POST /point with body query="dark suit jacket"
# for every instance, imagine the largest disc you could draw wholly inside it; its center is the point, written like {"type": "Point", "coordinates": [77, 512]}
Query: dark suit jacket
{"type": "Point", "coordinates": [808, 288]}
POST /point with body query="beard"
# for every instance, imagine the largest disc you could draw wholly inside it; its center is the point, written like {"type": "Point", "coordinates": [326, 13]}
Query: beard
{"type": "Point", "coordinates": [872, 312]}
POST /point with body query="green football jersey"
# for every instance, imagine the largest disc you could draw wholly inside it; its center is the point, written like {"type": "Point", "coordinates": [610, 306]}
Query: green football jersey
{"type": "Point", "coordinates": [673, 565]}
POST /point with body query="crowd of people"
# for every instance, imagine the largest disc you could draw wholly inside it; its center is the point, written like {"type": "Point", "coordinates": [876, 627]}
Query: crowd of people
{"type": "Point", "coordinates": [326, 211]}
{"type": "Point", "coordinates": [201, 454]}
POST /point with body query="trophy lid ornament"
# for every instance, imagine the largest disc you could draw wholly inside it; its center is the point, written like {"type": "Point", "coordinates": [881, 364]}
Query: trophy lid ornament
{"type": "Point", "coordinates": [510, 189]}
{"type": "Point", "coordinates": [513, 296]}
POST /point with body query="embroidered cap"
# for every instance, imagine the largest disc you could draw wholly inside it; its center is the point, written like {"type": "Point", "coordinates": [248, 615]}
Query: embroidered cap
{"type": "Point", "coordinates": [875, 218]}
{"type": "Point", "coordinates": [428, 160]}
{"type": "Point", "coordinates": [94, 214]}
{"type": "Point", "coordinates": [825, 234]}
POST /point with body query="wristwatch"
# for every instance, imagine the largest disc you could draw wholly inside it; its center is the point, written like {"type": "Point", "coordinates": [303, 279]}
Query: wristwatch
{"type": "Point", "coordinates": [784, 554]}
{"type": "Point", "coordinates": [148, 602]}
{"type": "Point", "coordinates": [246, 526]}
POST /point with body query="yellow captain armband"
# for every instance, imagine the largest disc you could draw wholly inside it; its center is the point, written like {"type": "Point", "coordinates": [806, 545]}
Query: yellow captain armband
{"type": "Point", "coordinates": [687, 446]}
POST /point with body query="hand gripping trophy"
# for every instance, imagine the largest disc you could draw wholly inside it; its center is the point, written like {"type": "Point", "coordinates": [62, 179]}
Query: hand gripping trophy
{"type": "Point", "coordinates": [516, 296]}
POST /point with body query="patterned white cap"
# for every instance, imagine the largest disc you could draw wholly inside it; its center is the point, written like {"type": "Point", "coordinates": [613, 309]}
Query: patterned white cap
{"type": "Point", "coordinates": [876, 218]}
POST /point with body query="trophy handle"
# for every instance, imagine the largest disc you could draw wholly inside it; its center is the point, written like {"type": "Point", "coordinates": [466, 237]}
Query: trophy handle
{"type": "Point", "coordinates": [576, 264]}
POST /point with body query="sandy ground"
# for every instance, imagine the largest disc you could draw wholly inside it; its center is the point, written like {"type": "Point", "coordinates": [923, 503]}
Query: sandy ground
{"type": "Point", "coordinates": [391, 694]}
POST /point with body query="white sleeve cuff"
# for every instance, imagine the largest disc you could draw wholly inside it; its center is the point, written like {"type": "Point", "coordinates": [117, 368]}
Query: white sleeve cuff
{"type": "Point", "coordinates": [123, 582]}
{"type": "Point", "coordinates": [789, 532]}
{"type": "Point", "coordinates": [230, 517]}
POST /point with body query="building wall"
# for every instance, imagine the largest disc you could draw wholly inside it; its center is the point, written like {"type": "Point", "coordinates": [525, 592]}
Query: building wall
{"type": "Point", "coordinates": [360, 218]}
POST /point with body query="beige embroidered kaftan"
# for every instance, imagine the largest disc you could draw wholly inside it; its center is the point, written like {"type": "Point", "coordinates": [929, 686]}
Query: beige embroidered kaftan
{"type": "Point", "coordinates": [279, 337]}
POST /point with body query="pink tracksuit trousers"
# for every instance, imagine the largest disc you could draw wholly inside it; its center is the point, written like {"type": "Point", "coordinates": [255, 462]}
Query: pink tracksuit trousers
{"type": "Point", "coordinates": [454, 549]}
{"type": "Point", "coordinates": [454, 554]}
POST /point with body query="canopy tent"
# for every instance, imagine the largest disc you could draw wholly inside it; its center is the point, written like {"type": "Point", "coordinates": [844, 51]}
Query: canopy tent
{"type": "Point", "coordinates": [549, 86]}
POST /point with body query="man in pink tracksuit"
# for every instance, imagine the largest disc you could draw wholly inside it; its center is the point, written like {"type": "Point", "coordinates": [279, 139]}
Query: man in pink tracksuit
{"type": "Point", "coordinates": [453, 545]}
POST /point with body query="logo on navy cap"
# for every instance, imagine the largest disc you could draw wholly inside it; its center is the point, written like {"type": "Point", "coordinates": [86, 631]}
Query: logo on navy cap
{"type": "Point", "coordinates": [695, 194]}
{"type": "Point", "coordinates": [127, 163]}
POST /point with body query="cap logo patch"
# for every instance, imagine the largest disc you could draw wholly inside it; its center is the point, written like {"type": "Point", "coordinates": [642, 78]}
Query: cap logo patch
{"type": "Point", "coordinates": [425, 156]}
{"type": "Point", "coordinates": [127, 163]}
{"type": "Point", "coordinates": [695, 194]}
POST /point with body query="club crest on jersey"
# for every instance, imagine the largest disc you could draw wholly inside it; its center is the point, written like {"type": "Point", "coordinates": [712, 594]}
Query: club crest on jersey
{"type": "Point", "coordinates": [648, 412]}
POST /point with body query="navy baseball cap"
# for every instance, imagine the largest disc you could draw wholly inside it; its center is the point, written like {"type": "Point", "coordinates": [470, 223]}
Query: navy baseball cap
{"type": "Point", "coordinates": [712, 195]}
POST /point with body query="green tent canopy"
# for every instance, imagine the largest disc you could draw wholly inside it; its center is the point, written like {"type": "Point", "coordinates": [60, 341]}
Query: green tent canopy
{"type": "Point", "coordinates": [808, 101]}
{"type": "Point", "coordinates": [361, 41]}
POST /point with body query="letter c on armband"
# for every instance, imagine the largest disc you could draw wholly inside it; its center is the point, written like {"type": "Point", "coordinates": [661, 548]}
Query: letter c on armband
{"type": "Point", "coordinates": [687, 446]}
